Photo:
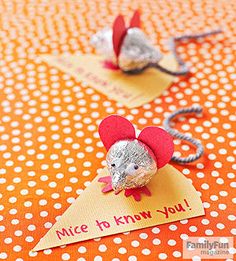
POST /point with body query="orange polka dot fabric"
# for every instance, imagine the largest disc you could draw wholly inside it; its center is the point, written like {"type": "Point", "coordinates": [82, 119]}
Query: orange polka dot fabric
{"type": "Point", "coordinates": [49, 145]}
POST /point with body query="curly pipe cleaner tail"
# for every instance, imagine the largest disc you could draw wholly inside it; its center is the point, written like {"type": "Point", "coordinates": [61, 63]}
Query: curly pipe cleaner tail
{"type": "Point", "coordinates": [183, 67]}
{"type": "Point", "coordinates": [182, 136]}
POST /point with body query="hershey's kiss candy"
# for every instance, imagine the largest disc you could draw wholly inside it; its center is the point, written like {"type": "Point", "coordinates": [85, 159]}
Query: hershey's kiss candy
{"type": "Point", "coordinates": [131, 164]}
{"type": "Point", "coordinates": [136, 50]}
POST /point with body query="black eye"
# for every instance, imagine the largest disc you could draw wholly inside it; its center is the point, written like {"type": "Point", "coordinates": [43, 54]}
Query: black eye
{"type": "Point", "coordinates": [136, 167]}
{"type": "Point", "coordinates": [113, 164]}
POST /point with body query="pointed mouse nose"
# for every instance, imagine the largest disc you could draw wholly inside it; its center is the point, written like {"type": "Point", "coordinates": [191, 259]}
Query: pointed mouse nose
{"type": "Point", "coordinates": [117, 187]}
{"type": "Point", "coordinates": [117, 183]}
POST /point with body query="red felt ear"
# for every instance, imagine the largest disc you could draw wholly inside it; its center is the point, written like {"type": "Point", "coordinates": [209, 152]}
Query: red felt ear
{"type": "Point", "coordinates": [119, 32]}
{"type": "Point", "coordinates": [135, 20]}
{"type": "Point", "coordinates": [115, 128]}
{"type": "Point", "coordinates": [160, 142]}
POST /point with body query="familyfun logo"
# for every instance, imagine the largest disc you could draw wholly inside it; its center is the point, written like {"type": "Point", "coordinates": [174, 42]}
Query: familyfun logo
{"type": "Point", "coordinates": [208, 248]}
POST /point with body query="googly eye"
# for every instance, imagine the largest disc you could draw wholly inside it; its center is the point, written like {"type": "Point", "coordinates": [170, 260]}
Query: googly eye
{"type": "Point", "coordinates": [113, 164]}
{"type": "Point", "coordinates": [131, 168]}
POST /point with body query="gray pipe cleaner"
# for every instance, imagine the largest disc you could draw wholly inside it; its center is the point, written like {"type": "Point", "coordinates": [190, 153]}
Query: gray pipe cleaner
{"type": "Point", "coordinates": [181, 136]}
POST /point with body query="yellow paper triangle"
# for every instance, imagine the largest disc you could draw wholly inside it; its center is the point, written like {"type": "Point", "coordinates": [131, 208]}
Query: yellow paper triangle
{"type": "Point", "coordinates": [130, 90]}
{"type": "Point", "coordinates": [169, 188]}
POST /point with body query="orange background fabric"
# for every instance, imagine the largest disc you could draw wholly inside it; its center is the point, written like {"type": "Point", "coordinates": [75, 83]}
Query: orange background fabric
{"type": "Point", "coordinates": [49, 145]}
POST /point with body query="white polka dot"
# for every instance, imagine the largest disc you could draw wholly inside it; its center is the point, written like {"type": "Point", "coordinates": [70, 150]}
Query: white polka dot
{"type": "Point", "coordinates": [65, 256]}
{"type": "Point", "coordinates": [82, 250]}
{"type": "Point", "coordinates": [171, 242]}
{"type": "Point", "coordinates": [177, 254]}
{"type": "Point", "coordinates": [173, 227]}
{"type": "Point", "coordinates": [146, 252]}
{"type": "Point", "coordinates": [143, 236]}
{"type": "Point", "coordinates": [233, 231]}
{"type": "Point", "coordinates": [193, 228]}
{"type": "Point", "coordinates": [156, 241]}
{"type": "Point", "coordinates": [122, 250]}
{"type": "Point", "coordinates": [47, 251]}
{"type": "Point", "coordinates": [214, 214]}
{"type": "Point", "coordinates": [102, 248]}
{"type": "Point", "coordinates": [232, 217]}
{"type": "Point", "coordinates": [135, 243]}
{"type": "Point", "coordinates": [3, 255]}
{"type": "Point", "coordinates": [117, 240]}
{"type": "Point", "coordinates": [29, 239]}
{"type": "Point", "coordinates": [162, 256]}
{"type": "Point", "coordinates": [8, 240]}
{"type": "Point", "coordinates": [184, 236]}
{"type": "Point", "coordinates": [17, 248]}
{"type": "Point", "coordinates": [209, 232]}
{"type": "Point", "coordinates": [220, 226]}
{"type": "Point", "coordinates": [155, 230]}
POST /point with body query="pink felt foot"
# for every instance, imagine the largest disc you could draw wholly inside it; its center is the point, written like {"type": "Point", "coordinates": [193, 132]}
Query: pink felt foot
{"type": "Point", "coordinates": [107, 181]}
{"type": "Point", "coordinates": [110, 65]}
{"type": "Point", "coordinates": [136, 192]}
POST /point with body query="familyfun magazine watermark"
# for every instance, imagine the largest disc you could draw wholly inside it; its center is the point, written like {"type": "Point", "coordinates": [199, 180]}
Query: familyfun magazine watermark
{"type": "Point", "coordinates": [208, 247]}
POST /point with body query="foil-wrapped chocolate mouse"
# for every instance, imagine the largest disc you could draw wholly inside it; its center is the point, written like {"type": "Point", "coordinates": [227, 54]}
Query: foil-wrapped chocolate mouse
{"type": "Point", "coordinates": [132, 161]}
{"type": "Point", "coordinates": [130, 50]}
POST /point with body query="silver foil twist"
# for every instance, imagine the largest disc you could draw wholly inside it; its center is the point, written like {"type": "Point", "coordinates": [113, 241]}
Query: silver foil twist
{"type": "Point", "coordinates": [130, 164]}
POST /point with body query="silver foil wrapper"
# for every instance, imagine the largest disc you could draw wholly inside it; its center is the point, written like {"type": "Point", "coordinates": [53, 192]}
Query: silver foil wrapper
{"type": "Point", "coordinates": [130, 164]}
{"type": "Point", "coordinates": [136, 51]}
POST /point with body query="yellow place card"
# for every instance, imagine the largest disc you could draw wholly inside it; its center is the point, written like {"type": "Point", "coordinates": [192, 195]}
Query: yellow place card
{"type": "Point", "coordinates": [130, 90]}
{"type": "Point", "coordinates": [95, 214]}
